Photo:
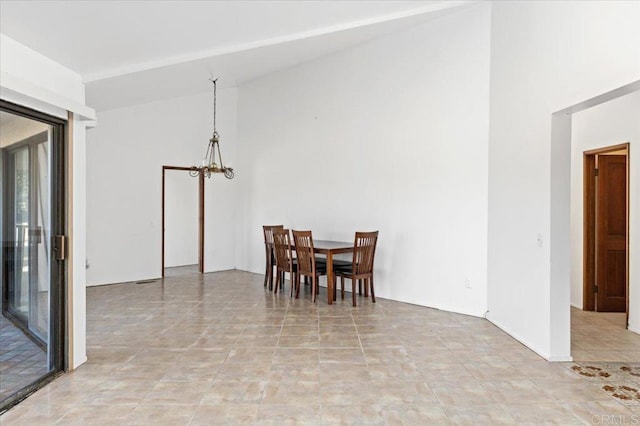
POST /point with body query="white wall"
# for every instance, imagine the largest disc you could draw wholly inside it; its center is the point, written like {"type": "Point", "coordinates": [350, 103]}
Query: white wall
{"type": "Point", "coordinates": [181, 219]}
{"type": "Point", "coordinates": [35, 81]}
{"type": "Point", "coordinates": [544, 57]}
{"type": "Point", "coordinates": [610, 123]}
{"type": "Point", "coordinates": [391, 135]}
{"type": "Point", "coordinates": [125, 155]}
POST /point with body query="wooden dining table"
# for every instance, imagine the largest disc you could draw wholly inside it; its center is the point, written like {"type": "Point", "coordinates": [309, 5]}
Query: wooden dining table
{"type": "Point", "coordinates": [330, 248]}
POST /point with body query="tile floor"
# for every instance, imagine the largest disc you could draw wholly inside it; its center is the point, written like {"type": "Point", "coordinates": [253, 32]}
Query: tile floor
{"type": "Point", "coordinates": [21, 360]}
{"type": "Point", "coordinates": [219, 349]}
{"type": "Point", "coordinates": [599, 336]}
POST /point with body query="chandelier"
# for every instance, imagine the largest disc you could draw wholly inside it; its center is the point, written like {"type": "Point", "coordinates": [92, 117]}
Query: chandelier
{"type": "Point", "coordinates": [209, 164]}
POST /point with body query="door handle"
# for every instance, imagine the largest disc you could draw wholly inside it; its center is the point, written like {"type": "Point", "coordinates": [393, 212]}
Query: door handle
{"type": "Point", "coordinates": [60, 247]}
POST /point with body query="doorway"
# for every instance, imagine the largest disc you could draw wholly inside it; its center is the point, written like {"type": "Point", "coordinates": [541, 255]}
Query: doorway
{"type": "Point", "coordinates": [606, 229]}
{"type": "Point", "coordinates": [181, 243]}
{"type": "Point", "coordinates": [32, 228]}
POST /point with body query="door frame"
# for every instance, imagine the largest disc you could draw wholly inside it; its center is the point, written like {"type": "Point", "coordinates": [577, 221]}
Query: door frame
{"type": "Point", "coordinates": [58, 336]}
{"type": "Point", "coordinates": [200, 215]}
{"type": "Point", "coordinates": [589, 224]}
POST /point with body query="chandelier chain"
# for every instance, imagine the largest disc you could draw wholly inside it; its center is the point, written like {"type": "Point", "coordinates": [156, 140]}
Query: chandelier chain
{"type": "Point", "coordinates": [215, 87]}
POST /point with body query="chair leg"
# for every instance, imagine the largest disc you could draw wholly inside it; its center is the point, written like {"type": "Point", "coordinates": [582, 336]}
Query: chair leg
{"type": "Point", "coordinates": [360, 287]}
{"type": "Point", "coordinates": [342, 286]}
{"type": "Point", "coordinates": [366, 287]}
{"type": "Point", "coordinates": [271, 266]}
{"type": "Point", "coordinates": [373, 295]}
{"type": "Point", "coordinates": [298, 285]}
{"type": "Point", "coordinates": [266, 270]}
{"type": "Point", "coordinates": [313, 288]}
{"type": "Point", "coordinates": [353, 291]}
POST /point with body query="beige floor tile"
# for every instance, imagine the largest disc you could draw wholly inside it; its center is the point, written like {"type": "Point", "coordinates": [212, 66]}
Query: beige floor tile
{"type": "Point", "coordinates": [97, 414]}
{"type": "Point", "coordinates": [603, 412]}
{"type": "Point", "coordinates": [357, 414]}
{"type": "Point", "coordinates": [576, 391]}
{"type": "Point", "coordinates": [160, 414]}
{"type": "Point", "coordinates": [34, 414]}
{"type": "Point", "coordinates": [225, 414]}
{"type": "Point", "coordinates": [250, 355]}
{"type": "Point", "coordinates": [342, 355]}
{"type": "Point", "coordinates": [119, 392]}
{"type": "Point", "coordinates": [183, 392]}
{"type": "Point", "coordinates": [288, 392]}
{"type": "Point", "coordinates": [485, 371]}
{"type": "Point", "coordinates": [299, 341]}
{"type": "Point", "coordinates": [383, 355]}
{"type": "Point", "coordinates": [304, 414]}
{"type": "Point", "coordinates": [544, 370]}
{"type": "Point", "coordinates": [485, 414]}
{"type": "Point", "coordinates": [294, 373]}
{"type": "Point", "coordinates": [333, 340]}
{"type": "Point", "coordinates": [191, 372]}
{"type": "Point", "coordinates": [403, 371]}
{"type": "Point", "coordinates": [517, 391]}
{"type": "Point", "coordinates": [299, 331]}
{"type": "Point", "coordinates": [465, 392]}
{"type": "Point", "coordinates": [143, 371]}
{"type": "Point", "coordinates": [234, 392]}
{"type": "Point", "coordinates": [348, 393]}
{"type": "Point", "coordinates": [196, 355]}
{"type": "Point", "coordinates": [444, 372]}
{"type": "Point", "coordinates": [341, 372]}
{"type": "Point", "coordinates": [307, 356]}
{"type": "Point", "coordinates": [154, 355]}
{"type": "Point", "coordinates": [541, 413]}
{"type": "Point", "coordinates": [244, 371]}
{"type": "Point", "coordinates": [257, 342]}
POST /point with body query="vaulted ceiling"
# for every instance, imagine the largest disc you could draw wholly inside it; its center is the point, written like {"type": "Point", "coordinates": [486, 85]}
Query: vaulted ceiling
{"type": "Point", "coordinates": [130, 52]}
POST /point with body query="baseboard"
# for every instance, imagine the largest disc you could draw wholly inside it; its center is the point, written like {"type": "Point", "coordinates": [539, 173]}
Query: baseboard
{"type": "Point", "coordinates": [543, 354]}
{"type": "Point", "coordinates": [78, 364]}
{"type": "Point", "coordinates": [560, 359]}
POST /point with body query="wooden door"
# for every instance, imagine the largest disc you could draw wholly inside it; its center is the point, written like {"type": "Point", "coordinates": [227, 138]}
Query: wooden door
{"type": "Point", "coordinates": [611, 230]}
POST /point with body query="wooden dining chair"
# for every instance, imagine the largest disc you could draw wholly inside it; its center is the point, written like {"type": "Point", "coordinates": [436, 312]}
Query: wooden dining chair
{"type": "Point", "coordinates": [361, 267]}
{"type": "Point", "coordinates": [308, 265]}
{"type": "Point", "coordinates": [285, 261]}
{"type": "Point", "coordinates": [270, 259]}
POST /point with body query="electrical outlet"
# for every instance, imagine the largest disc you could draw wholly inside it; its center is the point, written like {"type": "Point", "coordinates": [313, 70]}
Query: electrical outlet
{"type": "Point", "coordinates": [467, 283]}
{"type": "Point", "coordinates": [539, 240]}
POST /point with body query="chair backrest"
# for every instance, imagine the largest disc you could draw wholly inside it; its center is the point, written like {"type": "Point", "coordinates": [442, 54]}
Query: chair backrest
{"type": "Point", "coordinates": [303, 242]}
{"type": "Point", "coordinates": [282, 248]}
{"type": "Point", "coordinates": [364, 252]}
{"type": "Point", "coordinates": [267, 230]}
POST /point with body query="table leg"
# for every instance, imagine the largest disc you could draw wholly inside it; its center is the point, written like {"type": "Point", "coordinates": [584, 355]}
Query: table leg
{"type": "Point", "coordinates": [330, 277]}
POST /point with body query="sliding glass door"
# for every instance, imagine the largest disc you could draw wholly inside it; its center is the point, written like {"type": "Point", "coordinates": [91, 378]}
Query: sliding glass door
{"type": "Point", "coordinates": [31, 339]}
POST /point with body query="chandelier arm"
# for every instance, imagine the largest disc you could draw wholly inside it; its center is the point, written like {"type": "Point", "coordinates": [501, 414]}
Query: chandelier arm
{"type": "Point", "coordinates": [207, 155]}
{"type": "Point", "coordinates": [220, 155]}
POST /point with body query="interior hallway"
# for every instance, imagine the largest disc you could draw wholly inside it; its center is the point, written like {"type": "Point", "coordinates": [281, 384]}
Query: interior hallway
{"type": "Point", "coordinates": [220, 349]}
